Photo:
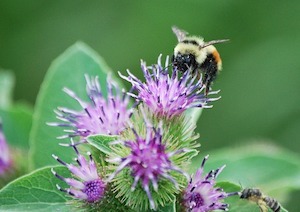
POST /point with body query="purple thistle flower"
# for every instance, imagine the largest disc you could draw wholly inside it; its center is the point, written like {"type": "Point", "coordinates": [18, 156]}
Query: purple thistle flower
{"type": "Point", "coordinates": [88, 186]}
{"type": "Point", "coordinates": [100, 115]}
{"type": "Point", "coordinates": [168, 94]}
{"type": "Point", "coordinates": [5, 160]}
{"type": "Point", "coordinates": [148, 161]}
{"type": "Point", "coordinates": [201, 194]}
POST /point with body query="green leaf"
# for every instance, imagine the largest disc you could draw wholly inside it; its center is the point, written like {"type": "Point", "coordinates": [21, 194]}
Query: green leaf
{"type": "Point", "coordinates": [228, 186]}
{"type": "Point", "coordinates": [7, 82]}
{"type": "Point", "coordinates": [35, 192]}
{"type": "Point", "coordinates": [17, 121]}
{"type": "Point", "coordinates": [101, 142]}
{"type": "Point", "coordinates": [193, 114]}
{"type": "Point", "coordinates": [66, 71]}
{"type": "Point", "coordinates": [275, 171]}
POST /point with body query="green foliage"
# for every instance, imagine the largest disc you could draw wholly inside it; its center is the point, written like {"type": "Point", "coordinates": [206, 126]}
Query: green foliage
{"type": "Point", "coordinates": [66, 71]}
{"type": "Point", "coordinates": [35, 192]}
{"type": "Point", "coordinates": [193, 114]}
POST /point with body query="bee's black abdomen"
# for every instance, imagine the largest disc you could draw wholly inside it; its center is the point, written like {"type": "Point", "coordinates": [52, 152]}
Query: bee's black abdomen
{"type": "Point", "coordinates": [210, 70]}
{"type": "Point", "coordinates": [273, 204]}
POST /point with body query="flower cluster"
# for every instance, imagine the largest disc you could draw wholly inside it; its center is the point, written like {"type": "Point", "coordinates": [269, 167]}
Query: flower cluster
{"type": "Point", "coordinates": [145, 166]}
{"type": "Point", "coordinates": [148, 160]}
{"type": "Point", "coordinates": [100, 115]}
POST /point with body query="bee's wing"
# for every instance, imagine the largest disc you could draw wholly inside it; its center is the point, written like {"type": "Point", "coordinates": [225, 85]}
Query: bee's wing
{"type": "Point", "coordinates": [213, 42]}
{"type": "Point", "coordinates": [180, 34]}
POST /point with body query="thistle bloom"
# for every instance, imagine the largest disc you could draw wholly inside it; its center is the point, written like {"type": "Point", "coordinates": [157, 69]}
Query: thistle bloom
{"type": "Point", "coordinates": [88, 186]}
{"type": "Point", "coordinates": [5, 161]}
{"type": "Point", "coordinates": [148, 161]}
{"type": "Point", "coordinates": [201, 194]}
{"type": "Point", "coordinates": [99, 115]}
{"type": "Point", "coordinates": [168, 94]}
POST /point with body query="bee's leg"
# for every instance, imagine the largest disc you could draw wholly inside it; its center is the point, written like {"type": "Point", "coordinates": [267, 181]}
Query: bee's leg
{"type": "Point", "coordinates": [207, 82]}
{"type": "Point", "coordinates": [206, 79]}
{"type": "Point", "coordinates": [210, 69]}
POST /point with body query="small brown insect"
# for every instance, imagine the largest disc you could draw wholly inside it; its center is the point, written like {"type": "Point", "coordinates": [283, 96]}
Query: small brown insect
{"type": "Point", "coordinates": [255, 195]}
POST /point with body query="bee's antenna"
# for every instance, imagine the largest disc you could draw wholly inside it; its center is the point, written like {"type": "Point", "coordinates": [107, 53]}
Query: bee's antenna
{"type": "Point", "coordinates": [213, 42]}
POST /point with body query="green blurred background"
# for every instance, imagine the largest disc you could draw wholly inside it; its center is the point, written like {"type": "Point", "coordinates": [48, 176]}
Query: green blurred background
{"type": "Point", "coordinates": [260, 80]}
{"type": "Point", "coordinates": [259, 83]}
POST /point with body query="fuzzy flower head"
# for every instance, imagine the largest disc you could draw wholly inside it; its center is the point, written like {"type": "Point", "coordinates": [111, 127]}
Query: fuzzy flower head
{"type": "Point", "coordinates": [100, 115]}
{"type": "Point", "coordinates": [148, 162]}
{"type": "Point", "coordinates": [201, 194]}
{"type": "Point", "coordinates": [5, 161]}
{"type": "Point", "coordinates": [87, 185]}
{"type": "Point", "coordinates": [167, 94]}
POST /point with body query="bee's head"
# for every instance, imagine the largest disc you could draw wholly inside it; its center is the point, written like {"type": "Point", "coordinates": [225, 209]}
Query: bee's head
{"type": "Point", "coordinates": [250, 193]}
{"type": "Point", "coordinates": [184, 61]}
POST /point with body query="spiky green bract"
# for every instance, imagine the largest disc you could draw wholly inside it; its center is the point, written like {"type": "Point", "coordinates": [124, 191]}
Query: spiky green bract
{"type": "Point", "coordinates": [109, 203]}
{"type": "Point", "coordinates": [178, 134]}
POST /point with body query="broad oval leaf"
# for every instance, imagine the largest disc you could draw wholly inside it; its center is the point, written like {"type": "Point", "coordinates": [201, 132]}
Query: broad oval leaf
{"type": "Point", "coordinates": [193, 114]}
{"type": "Point", "coordinates": [36, 192]}
{"type": "Point", "coordinates": [101, 142]}
{"type": "Point", "coordinates": [66, 71]}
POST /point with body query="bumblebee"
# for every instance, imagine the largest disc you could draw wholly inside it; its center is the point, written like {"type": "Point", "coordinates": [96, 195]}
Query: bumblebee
{"type": "Point", "coordinates": [255, 195]}
{"type": "Point", "coordinates": [193, 53]}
